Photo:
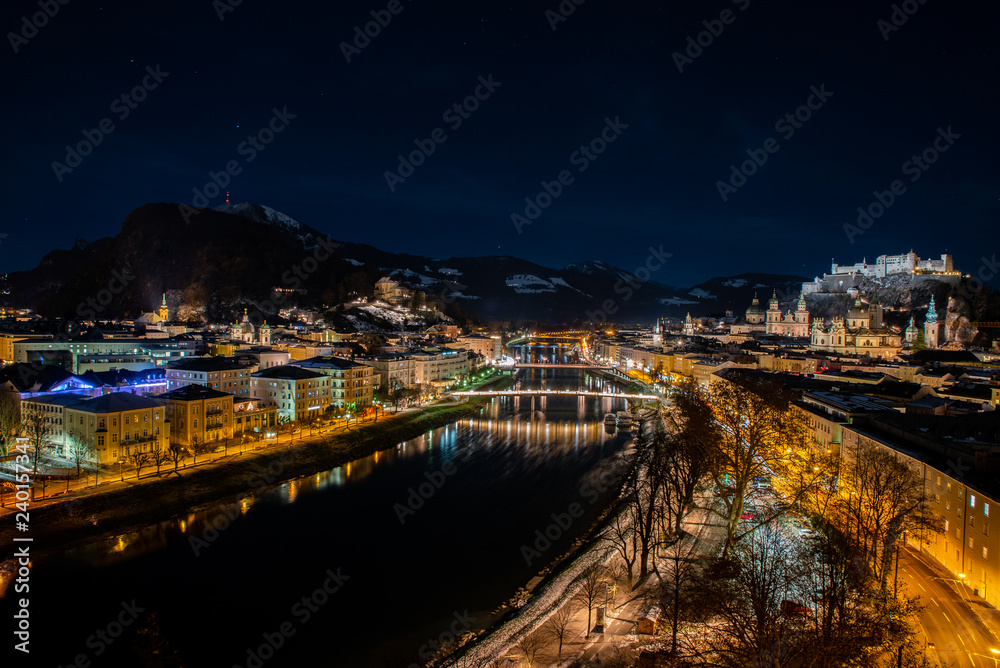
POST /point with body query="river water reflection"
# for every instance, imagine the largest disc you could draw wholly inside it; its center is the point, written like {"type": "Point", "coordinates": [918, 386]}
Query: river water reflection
{"type": "Point", "coordinates": [415, 540]}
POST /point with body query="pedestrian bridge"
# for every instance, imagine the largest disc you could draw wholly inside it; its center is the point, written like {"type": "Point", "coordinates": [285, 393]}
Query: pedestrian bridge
{"type": "Point", "coordinates": [555, 393]}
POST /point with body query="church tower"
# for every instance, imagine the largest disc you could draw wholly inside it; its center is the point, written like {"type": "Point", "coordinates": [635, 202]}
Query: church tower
{"type": "Point", "coordinates": [801, 311]}
{"type": "Point", "coordinates": [773, 314]}
{"type": "Point", "coordinates": [163, 312]}
{"type": "Point", "coordinates": [932, 328]}
{"type": "Point", "coordinates": [688, 326]}
{"type": "Point", "coordinates": [265, 334]}
{"type": "Point", "coordinates": [911, 332]}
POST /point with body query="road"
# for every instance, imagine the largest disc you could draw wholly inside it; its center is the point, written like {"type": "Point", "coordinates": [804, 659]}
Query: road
{"type": "Point", "coordinates": [949, 622]}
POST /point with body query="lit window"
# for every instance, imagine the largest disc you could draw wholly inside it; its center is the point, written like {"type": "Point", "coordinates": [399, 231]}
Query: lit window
{"type": "Point", "coordinates": [972, 500]}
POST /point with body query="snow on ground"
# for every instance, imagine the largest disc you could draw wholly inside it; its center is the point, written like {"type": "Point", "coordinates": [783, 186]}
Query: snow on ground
{"type": "Point", "coordinates": [424, 280]}
{"type": "Point", "coordinates": [735, 282]}
{"type": "Point", "coordinates": [529, 283]}
{"type": "Point", "coordinates": [555, 280]}
{"type": "Point", "coordinates": [356, 263]}
{"type": "Point", "coordinates": [543, 604]}
{"type": "Point", "coordinates": [676, 301]}
{"type": "Point", "coordinates": [701, 294]}
{"type": "Point", "coordinates": [452, 293]}
{"type": "Point", "coordinates": [361, 325]}
{"type": "Point", "coordinates": [759, 285]}
{"type": "Point", "coordinates": [449, 272]}
{"type": "Point", "coordinates": [396, 317]}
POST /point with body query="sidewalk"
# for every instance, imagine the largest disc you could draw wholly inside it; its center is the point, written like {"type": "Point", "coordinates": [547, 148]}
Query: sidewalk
{"type": "Point", "coordinates": [621, 621]}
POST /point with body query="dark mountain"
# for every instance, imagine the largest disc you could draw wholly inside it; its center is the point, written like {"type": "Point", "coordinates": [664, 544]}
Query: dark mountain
{"type": "Point", "coordinates": [214, 263]}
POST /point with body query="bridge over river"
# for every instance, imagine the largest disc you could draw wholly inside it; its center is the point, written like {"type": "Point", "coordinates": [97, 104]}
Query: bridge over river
{"type": "Point", "coordinates": [559, 393]}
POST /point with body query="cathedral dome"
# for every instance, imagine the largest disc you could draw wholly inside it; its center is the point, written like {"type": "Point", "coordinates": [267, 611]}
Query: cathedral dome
{"type": "Point", "coordinates": [857, 311]}
{"type": "Point", "coordinates": [755, 307]}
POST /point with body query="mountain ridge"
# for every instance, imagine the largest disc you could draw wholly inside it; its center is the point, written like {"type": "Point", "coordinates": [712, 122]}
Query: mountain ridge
{"type": "Point", "coordinates": [234, 256]}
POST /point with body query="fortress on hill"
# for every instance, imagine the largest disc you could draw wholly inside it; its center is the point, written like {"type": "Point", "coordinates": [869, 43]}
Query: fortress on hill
{"type": "Point", "coordinates": [842, 277]}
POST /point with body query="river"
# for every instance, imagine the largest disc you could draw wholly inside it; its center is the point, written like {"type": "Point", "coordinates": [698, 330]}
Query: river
{"type": "Point", "coordinates": [411, 544]}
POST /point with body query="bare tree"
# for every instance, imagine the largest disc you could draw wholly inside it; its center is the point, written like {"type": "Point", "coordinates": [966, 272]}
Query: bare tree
{"type": "Point", "coordinates": [37, 429]}
{"type": "Point", "coordinates": [591, 591]}
{"type": "Point", "coordinates": [759, 435]}
{"type": "Point", "coordinates": [176, 454]}
{"type": "Point", "coordinates": [10, 420]}
{"type": "Point", "coordinates": [680, 572]}
{"type": "Point", "coordinates": [137, 459]}
{"type": "Point", "coordinates": [81, 447]}
{"type": "Point", "coordinates": [883, 497]}
{"type": "Point", "coordinates": [529, 645]}
{"type": "Point", "coordinates": [621, 534]}
{"type": "Point", "coordinates": [756, 628]}
{"type": "Point", "coordinates": [557, 626]}
{"type": "Point", "coordinates": [159, 455]}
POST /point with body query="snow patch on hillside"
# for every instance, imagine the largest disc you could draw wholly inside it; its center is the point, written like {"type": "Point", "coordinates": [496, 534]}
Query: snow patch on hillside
{"type": "Point", "coordinates": [701, 294]}
{"type": "Point", "coordinates": [676, 301]}
{"type": "Point", "coordinates": [735, 282]}
{"type": "Point", "coordinates": [529, 284]}
{"type": "Point", "coordinates": [449, 272]}
{"type": "Point", "coordinates": [412, 275]}
{"type": "Point", "coordinates": [356, 263]}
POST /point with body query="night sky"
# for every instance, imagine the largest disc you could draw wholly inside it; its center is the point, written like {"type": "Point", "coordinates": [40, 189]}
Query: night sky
{"type": "Point", "coordinates": [883, 102]}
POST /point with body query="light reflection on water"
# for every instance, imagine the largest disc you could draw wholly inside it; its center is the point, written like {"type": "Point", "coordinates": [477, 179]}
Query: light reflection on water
{"type": "Point", "coordinates": [518, 461]}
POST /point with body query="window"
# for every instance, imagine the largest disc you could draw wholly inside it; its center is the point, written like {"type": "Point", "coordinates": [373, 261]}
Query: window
{"type": "Point", "coordinates": [947, 525]}
{"type": "Point", "coordinates": [972, 520]}
{"type": "Point", "coordinates": [972, 500]}
{"type": "Point", "coordinates": [100, 441]}
{"type": "Point", "coordinates": [984, 552]}
{"type": "Point", "coordinates": [971, 542]}
{"type": "Point", "coordinates": [939, 481]}
{"type": "Point", "coordinates": [114, 422]}
{"type": "Point", "coordinates": [986, 509]}
{"type": "Point", "coordinates": [986, 528]}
